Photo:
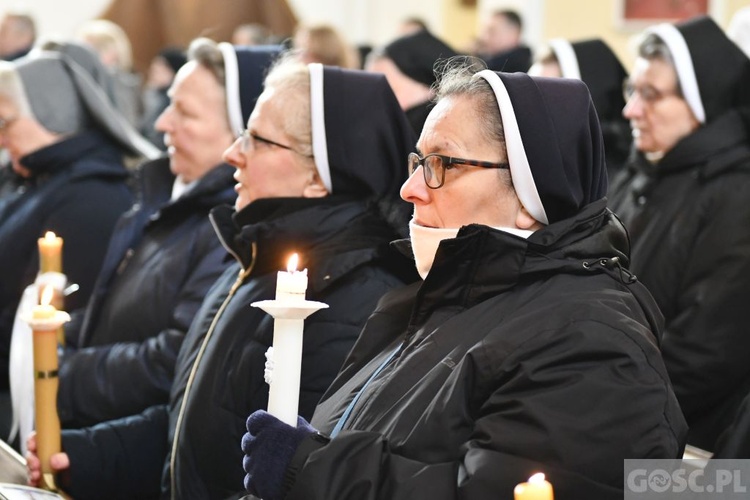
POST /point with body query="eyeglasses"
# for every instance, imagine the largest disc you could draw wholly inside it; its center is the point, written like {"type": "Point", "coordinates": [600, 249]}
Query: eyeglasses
{"type": "Point", "coordinates": [648, 93]}
{"type": "Point", "coordinates": [6, 122]}
{"type": "Point", "coordinates": [250, 141]}
{"type": "Point", "coordinates": [435, 165]}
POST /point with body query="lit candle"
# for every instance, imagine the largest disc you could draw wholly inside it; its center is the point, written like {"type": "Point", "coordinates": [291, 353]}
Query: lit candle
{"type": "Point", "coordinates": [289, 310]}
{"type": "Point", "coordinates": [45, 309]}
{"type": "Point", "coordinates": [538, 488]}
{"type": "Point", "coordinates": [292, 284]}
{"type": "Point", "coordinates": [50, 253]}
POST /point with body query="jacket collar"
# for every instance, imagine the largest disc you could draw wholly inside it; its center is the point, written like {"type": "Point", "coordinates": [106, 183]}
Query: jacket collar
{"type": "Point", "coordinates": [55, 158]}
{"type": "Point", "coordinates": [482, 262]}
{"type": "Point", "coordinates": [314, 229]}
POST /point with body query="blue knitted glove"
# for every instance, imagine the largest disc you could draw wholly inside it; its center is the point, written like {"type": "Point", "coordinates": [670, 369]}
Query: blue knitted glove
{"type": "Point", "coordinates": [269, 446]}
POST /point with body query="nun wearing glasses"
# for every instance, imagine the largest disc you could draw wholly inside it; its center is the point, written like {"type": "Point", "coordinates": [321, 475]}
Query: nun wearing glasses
{"type": "Point", "coordinates": [684, 201]}
{"type": "Point", "coordinates": [527, 347]}
{"type": "Point", "coordinates": [318, 171]}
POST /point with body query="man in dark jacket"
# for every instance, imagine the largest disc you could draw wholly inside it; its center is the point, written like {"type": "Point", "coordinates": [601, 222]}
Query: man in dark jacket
{"type": "Point", "coordinates": [528, 347]}
{"type": "Point", "coordinates": [684, 200]}
{"type": "Point", "coordinates": [67, 144]}
{"type": "Point", "coordinates": [163, 256]}
{"type": "Point", "coordinates": [316, 168]}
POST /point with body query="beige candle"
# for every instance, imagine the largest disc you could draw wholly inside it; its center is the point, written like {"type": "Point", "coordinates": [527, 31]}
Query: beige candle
{"type": "Point", "coordinates": [537, 488]}
{"type": "Point", "coordinates": [50, 253]}
{"type": "Point", "coordinates": [45, 380]}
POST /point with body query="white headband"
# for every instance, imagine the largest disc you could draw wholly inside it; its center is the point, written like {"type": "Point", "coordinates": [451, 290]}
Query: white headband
{"type": "Point", "coordinates": [318, 118]}
{"type": "Point", "coordinates": [520, 171]}
{"type": "Point", "coordinates": [232, 84]}
{"type": "Point", "coordinates": [566, 56]}
{"type": "Point", "coordinates": [683, 65]}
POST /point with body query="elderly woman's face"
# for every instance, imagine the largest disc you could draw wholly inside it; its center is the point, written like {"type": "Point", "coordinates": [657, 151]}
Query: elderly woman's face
{"type": "Point", "coordinates": [267, 163]}
{"type": "Point", "coordinates": [195, 124]}
{"type": "Point", "coordinates": [658, 115]}
{"type": "Point", "coordinates": [470, 194]}
{"type": "Point", "coordinates": [21, 135]}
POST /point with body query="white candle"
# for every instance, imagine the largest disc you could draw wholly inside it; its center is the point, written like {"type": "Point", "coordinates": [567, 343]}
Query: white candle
{"type": "Point", "coordinates": [538, 488]}
{"type": "Point", "coordinates": [292, 284]}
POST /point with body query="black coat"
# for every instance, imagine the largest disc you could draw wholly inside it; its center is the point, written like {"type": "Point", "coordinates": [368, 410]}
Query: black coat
{"type": "Point", "coordinates": [689, 223]}
{"type": "Point", "coordinates": [345, 248]}
{"type": "Point", "coordinates": [513, 356]}
{"type": "Point", "coordinates": [162, 259]}
{"type": "Point", "coordinates": [78, 190]}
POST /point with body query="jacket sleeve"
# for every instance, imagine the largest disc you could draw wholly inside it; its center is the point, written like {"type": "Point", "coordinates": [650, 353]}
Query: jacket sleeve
{"type": "Point", "coordinates": [705, 342]}
{"type": "Point", "coordinates": [554, 406]}
{"type": "Point", "coordinates": [121, 459]}
{"type": "Point", "coordinates": [106, 382]}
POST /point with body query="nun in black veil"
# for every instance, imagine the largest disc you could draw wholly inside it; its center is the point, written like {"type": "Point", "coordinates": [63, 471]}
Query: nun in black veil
{"type": "Point", "coordinates": [318, 170]}
{"type": "Point", "coordinates": [684, 200]}
{"type": "Point", "coordinates": [516, 351]}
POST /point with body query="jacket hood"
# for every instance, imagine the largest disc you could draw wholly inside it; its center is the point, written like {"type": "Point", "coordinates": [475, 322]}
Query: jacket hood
{"type": "Point", "coordinates": [361, 137]}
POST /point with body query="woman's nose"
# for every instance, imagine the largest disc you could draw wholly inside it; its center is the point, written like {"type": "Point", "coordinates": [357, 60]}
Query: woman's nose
{"type": "Point", "coordinates": [415, 190]}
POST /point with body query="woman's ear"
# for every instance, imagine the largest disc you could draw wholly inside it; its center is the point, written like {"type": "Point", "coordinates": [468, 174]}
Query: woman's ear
{"type": "Point", "coordinates": [315, 188]}
{"type": "Point", "coordinates": [524, 220]}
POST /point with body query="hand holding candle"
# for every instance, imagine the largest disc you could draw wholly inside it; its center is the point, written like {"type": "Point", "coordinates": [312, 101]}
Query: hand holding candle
{"type": "Point", "coordinates": [538, 488]}
{"type": "Point", "coordinates": [50, 253]}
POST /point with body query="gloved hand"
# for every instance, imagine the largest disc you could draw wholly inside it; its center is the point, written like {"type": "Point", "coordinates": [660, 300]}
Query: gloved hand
{"type": "Point", "coordinates": [269, 446]}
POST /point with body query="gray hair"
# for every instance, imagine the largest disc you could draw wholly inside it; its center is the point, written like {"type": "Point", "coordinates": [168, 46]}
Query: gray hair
{"type": "Point", "coordinates": [651, 46]}
{"type": "Point", "coordinates": [455, 78]}
{"type": "Point", "coordinates": [206, 52]}
{"type": "Point", "coordinates": [291, 77]}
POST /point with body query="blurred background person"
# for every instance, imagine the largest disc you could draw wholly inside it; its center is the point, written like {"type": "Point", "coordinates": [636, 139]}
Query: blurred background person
{"type": "Point", "coordinates": [251, 34]}
{"type": "Point", "coordinates": [324, 44]}
{"type": "Point", "coordinates": [113, 46]}
{"type": "Point", "coordinates": [411, 25]}
{"type": "Point", "coordinates": [593, 62]}
{"type": "Point", "coordinates": [739, 29]}
{"type": "Point", "coordinates": [17, 35]}
{"type": "Point", "coordinates": [67, 142]}
{"type": "Point", "coordinates": [161, 74]}
{"type": "Point", "coordinates": [317, 170]}
{"type": "Point", "coordinates": [408, 64]}
{"type": "Point", "coordinates": [500, 45]}
{"type": "Point", "coordinates": [684, 200]}
{"type": "Point", "coordinates": [163, 256]}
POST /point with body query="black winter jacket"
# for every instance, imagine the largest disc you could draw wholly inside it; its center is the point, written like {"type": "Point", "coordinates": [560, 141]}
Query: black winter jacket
{"type": "Point", "coordinates": [219, 371]}
{"type": "Point", "coordinates": [513, 357]}
{"type": "Point", "coordinates": [689, 222]}
{"type": "Point", "coordinates": [78, 190]}
{"type": "Point", "coordinates": [162, 259]}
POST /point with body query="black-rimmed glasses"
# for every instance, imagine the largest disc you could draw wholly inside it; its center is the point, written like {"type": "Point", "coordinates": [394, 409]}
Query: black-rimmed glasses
{"type": "Point", "coordinates": [250, 141]}
{"type": "Point", "coordinates": [434, 166]}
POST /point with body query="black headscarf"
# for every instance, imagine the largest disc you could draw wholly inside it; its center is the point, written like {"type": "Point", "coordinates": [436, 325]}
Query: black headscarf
{"type": "Point", "coordinates": [554, 143]}
{"type": "Point", "coordinates": [361, 138]}
{"type": "Point", "coordinates": [415, 55]}
{"type": "Point", "coordinates": [714, 74]}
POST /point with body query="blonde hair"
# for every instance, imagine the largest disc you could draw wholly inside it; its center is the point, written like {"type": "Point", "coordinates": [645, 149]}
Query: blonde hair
{"type": "Point", "coordinates": [107, 37]}
{"type": "Point", "coordinates": [326, 46]}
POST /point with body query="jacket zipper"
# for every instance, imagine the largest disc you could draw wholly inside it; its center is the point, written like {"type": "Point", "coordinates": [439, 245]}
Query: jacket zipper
{"type": "Point", "coordinates": [244, 273]}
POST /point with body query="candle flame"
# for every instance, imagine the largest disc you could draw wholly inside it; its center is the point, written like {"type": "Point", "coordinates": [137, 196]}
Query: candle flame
{"type": "Point", "coordinates": [47, 293]}
{"type": "Point", "coordinates": [291, 265]}
{"type": "Point", "coordinates": [537, 478]}
{"type": "Point", "coordinates": [49, 235]}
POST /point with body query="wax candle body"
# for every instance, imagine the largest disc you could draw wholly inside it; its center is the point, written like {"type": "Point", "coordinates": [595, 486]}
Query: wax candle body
{"type": "Point", "coordinates": [45, 394]}
{"type": "Point", "coordinates": [291, 286]}
{"type": "Point", "coordinates": [283, 396]}
{"type": "Point", "coordinates": [50, 253]}
{"type": "Point", "coordinates": [537, 488]}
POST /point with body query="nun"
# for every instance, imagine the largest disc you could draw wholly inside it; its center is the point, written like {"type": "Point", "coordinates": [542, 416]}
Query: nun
{"type": "Point", "coordinates": [515, 352]}
{"type": "Point", "coordinates": [409, 65]}
{"type": "Point", "coordinates": [593, 62]}
{"type": "Point", "coordinates": [67, 144]}
{"type": "Point", "coordinates": [684, 200]}
{"type": "Point", "coordinates": [163, 256]}
{"type": "Point", "coordinates": [318, 171]}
